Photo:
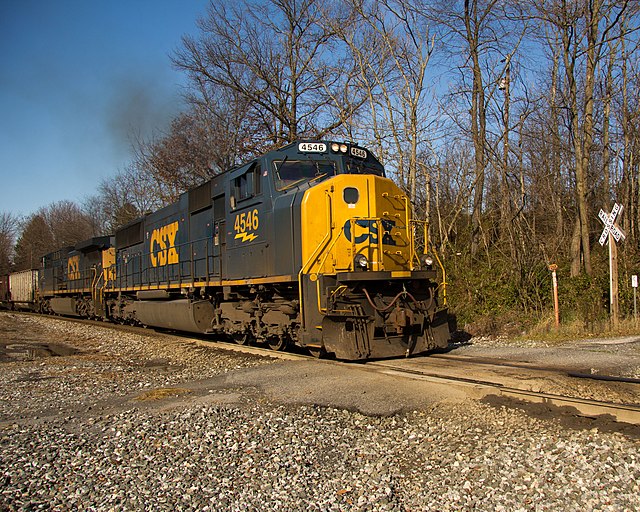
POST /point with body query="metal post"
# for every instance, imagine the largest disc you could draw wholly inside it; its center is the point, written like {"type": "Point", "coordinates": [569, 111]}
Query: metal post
{"type": "Point", "coordinates": [634, 285]}
{"type": "Point", "coordinates": [613, 281]}
{"type": "Point", "coordinates": [556, 307]}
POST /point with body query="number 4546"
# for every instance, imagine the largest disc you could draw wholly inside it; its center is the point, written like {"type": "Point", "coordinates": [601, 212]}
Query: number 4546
{"type": "Point", "coordinates": [247, 221]}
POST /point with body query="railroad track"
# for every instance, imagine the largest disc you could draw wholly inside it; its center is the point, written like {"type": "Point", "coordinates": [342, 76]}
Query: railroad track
{"type": "Point", "coordinates": [442, 369]}
{"type": "Point", "coordinates": [625, 413]}
{"type": "Point", "coordinates": [478, 387]}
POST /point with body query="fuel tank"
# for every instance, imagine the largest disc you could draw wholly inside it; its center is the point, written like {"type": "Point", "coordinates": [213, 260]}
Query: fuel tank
{"type": "Point", "coordinates": [180, 315]}
{"type": "Point", "coordinates": [65, 306]}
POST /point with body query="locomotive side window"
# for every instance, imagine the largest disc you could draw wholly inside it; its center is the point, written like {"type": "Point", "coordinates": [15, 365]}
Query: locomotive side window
{"type": "Point", "coordinates": [246, 185]}
{"type": "Point", "coordinates": [293, 172]}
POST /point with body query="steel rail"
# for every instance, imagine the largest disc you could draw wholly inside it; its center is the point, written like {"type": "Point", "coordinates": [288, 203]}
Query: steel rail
{"type": "Point", "coordinates": [625, 413]}
{"type": "Point", "coordinates": [531, 366]}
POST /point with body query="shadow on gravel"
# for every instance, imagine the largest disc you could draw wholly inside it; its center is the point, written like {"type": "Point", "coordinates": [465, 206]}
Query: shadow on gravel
{"type": "Point", "coordinates": [458, 339]}
{"type": "Point", "coordinates": [32, 351]}
{"type": "Point", "coordinates": [568, 417]}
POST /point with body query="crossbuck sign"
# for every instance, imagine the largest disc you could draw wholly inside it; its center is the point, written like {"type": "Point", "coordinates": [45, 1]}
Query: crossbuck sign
{"type": "Point", "coordinates": [611, 230]}
{"type": "Point", "coordinates": [610, 226]}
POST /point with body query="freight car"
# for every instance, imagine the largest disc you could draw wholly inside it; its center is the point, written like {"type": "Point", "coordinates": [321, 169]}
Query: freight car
{"type": "Point", "coordinates": [5, 298]}
{"type": "Point", "coordinates": [19, 290]}
{"type": "Point", "coordinates": [309, 245]}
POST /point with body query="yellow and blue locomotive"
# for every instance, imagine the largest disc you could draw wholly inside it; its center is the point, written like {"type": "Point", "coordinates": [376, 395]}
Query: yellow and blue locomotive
{"type": "Point", "coordinates": [309, 245]}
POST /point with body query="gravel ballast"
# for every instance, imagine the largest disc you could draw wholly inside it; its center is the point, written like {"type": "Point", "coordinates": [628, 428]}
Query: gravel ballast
{"type": "Point", "coordinates": [131, 424]}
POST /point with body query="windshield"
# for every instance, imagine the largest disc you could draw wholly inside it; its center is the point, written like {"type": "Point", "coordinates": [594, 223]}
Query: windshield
{"type": "Point", "coordinates": [294, 172]}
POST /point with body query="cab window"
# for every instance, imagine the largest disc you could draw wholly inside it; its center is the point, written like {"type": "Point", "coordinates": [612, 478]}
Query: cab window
{"type": "Point", "coordinates": [294, 172]}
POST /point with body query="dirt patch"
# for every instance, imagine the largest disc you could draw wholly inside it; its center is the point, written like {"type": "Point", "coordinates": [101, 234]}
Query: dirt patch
{"type": "Point", "coordinates": [88, 371]}
{"type": "Point", "coordinates": [162, 393]}
{"type": "Point", "coordinates": [341, 386]}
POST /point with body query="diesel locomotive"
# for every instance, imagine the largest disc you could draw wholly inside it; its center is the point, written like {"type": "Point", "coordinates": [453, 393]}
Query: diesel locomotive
{"type": "Point", "coordinates": [309, 244]}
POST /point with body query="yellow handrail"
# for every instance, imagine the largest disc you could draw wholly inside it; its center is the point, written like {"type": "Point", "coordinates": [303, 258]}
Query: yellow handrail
{"type": "Point", "coordinates": [314, 256]}
{"type": "Point", "coordinates": [427, 247]}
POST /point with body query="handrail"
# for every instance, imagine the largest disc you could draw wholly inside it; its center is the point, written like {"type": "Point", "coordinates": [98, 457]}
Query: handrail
{"type": "Point", "coordinates": [410, 234]}
{"type": "Point", "coordinates": [314, 255]}
{"type": "Point", "coordinates": [339, 290]}
{"type": "Point", "coordinates": [414, 254]}
{"type": "Point", "coordinates": [427, 247]}
{"type": "Point", "coordinates": [95, 293]}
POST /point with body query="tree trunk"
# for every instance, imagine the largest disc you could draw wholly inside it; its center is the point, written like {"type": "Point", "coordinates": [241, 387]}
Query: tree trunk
{"type": "Point", "coordinates": [478, 121]}
{"type": "Point", "coordinates": [556, 146]}
{"type": "Point", "coordinates": [575, 248]}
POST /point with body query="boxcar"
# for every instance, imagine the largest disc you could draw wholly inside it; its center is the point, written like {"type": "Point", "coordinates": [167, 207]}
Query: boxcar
{"type": "Point", "coordinates": [5, 297]}
{"type": "Point", "coordinates": [23, 288]}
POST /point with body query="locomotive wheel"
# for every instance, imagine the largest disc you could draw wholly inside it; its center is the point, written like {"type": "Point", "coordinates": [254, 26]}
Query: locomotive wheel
{"type": "Point", "coordinates": [242, 338]}
{"type": "Point", "coordinates": [317, 352]}
{"type": "Point", "coordinates": [278, 343]}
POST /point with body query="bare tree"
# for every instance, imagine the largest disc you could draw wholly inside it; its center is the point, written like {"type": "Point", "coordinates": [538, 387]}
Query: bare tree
{"type": "Point", "coordinates": [68, 223]}
{"type": "Point", "coordinates": [452, 177]}
{"type": "Point", "coordinates": [177, 161]}
{"type": "Point", "coordinates": [199, 144]}
{"type": "Point", "coordinates": [280, 59]}
{"type": "Point", "coordinates": [8, 229]}
{"type": "Point", "coordinates": [391, 48]}
{"type": "Point", "coordinates": [471, 34]}
{"type": "Point", "coordinates": [58, 225]}
{"type": "Point", "coordinates": [628, 119]}
{"type": "Point", "coordinates": [583, 28]}
{"type": "Point", "coordinates": [125, 197]}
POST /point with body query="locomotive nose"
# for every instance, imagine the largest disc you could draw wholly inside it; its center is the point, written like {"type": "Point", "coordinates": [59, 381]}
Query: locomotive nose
{"type": "Point", "coordinates": [359, 261]}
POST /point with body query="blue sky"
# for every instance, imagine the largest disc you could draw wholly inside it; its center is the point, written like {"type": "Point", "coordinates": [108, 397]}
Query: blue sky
{"type": "Point", "coordinates": [77, 79]}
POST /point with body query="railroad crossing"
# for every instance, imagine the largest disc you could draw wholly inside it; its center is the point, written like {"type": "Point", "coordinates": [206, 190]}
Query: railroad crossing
{"type": "Point", "coordinates": [613, 234]}
{"type": "Point", "coordinates": [610, 226]}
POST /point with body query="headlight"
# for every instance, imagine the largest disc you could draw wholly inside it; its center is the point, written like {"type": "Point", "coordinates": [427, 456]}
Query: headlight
{"type": "Point", "coordinates": [335, 147]}
{"type": "Point", "coordinates": [361, 262]}
{"type": "Point", "coordinates": [343, 148]}
{"type": "Point", "coordinates": [426, 261]}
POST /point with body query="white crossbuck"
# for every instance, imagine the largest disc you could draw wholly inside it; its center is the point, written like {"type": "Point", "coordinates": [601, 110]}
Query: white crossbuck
{"type": "Point", "coordinates": [609, 221]}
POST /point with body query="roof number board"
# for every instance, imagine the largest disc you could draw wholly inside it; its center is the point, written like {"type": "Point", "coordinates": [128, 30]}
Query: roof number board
{"type": "Point", "coordinates": [312, 147]}
{"type": "Point", "coordinates": [357, 152]}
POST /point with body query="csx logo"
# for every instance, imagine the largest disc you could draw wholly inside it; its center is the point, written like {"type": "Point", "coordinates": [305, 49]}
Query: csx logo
{"type": "Point", "coordinates": [369, 233]}
{"type": "Point", "coordinates": [162, 248]}
{"type": "Point", "coordinates": [73, 268]}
